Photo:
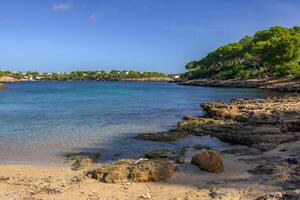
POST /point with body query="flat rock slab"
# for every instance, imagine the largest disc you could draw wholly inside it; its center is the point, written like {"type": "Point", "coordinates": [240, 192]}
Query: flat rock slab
{"type": "Point", "coordinates": [168, 136]}
{"type": "Point", "coordinates": [176, 155]}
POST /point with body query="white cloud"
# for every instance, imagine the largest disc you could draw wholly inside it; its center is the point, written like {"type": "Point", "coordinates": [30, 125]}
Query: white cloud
{"type": "Point", "coordinates": [61, 7]}
{"type": "Point", "coordinates": [93, 16]}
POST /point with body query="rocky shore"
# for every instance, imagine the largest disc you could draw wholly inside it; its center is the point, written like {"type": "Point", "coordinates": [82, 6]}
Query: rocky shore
{"type": "Point", "coordinates": [2, 86]}
{"type": "Point", "coordinates": [283, 84]}
{"type": "Point", "coordinates": [260, 126]}
{"type": "Point", "coordinates": [8, 79]}
{"type": "Point", "coordinates": [258, 123]}
{"type": "Point", "coordinates": [151, 79]}
{"type": "Point", "coordinates": [272, 175]}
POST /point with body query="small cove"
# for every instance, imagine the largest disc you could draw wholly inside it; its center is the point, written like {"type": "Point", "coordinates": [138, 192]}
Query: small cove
{"type": "Point", "coordinates": [40, 121]}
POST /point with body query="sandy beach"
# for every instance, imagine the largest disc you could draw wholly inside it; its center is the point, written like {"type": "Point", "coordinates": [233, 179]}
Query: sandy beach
{"type": "Point", "coordinates": [189, 182]}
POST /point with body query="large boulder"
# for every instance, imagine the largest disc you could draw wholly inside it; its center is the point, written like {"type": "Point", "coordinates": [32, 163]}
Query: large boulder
{"type": "Point", "coordinates": [142, 170]}
{"type": "Point", "coordinates": [151, 170]}
{"type": "Point", "coordinates": [209, 160]}
{"type": "Point", "coordinates": [115, 173]}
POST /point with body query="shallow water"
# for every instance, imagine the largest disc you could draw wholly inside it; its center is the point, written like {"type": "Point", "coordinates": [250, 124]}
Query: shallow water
{"type": "Point", "coordinates": [41, 120]}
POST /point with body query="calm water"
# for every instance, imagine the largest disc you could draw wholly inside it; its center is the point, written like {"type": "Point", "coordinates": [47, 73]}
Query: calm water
{"type": "Point", "coordinates": [41, 120]}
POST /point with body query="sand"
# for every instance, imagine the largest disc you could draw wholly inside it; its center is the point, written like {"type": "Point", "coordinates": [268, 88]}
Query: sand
{"type": "Point", "coordinates": [189, 182]}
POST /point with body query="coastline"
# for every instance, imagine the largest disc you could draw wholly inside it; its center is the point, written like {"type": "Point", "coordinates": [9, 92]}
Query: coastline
{"type": "Point", "coordinates": [167, 80]}
{"type": "Point", "coordinates": [281, 84]}
{"type": "Point", "coordinates": [264, 167]}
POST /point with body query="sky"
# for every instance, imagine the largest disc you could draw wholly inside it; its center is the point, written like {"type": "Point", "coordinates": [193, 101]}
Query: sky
{"type": "Point", "coordinates": [143, 35]}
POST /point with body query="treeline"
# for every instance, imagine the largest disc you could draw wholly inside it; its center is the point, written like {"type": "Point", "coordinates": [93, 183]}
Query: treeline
{"type": "Point", "coordinates": [2, 73]}
{"type": "Point", "coordinates": [85, 75]}
{"type": "Point", "coordinates": [273, 52]}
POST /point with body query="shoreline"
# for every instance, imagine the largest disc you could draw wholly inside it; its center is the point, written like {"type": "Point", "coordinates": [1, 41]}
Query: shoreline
{"type": "Point", "coordinates": [188, 182]}
{"type": "Point", "coordinates": [262, 159]}
{"type": "Point", "coordinates": [256, 166]}
{"type": "Point", "coordinates": [2, 86]}
{"type": "Point", "coordinates": [280, 84]}
{"type": "Point", "coordinates": [287, 84]}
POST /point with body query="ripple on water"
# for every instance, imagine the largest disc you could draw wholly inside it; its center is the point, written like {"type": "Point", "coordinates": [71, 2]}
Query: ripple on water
{"type": "Point", "coordinates": [41, 120]}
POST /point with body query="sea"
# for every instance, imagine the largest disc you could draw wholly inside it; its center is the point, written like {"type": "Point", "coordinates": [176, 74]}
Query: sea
{"type": "Point", "coordinates": [42, 121]}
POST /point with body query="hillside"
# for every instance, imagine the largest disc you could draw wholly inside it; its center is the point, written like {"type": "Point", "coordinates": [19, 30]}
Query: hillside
{"type": "Point", "coordinates": [274, 52]}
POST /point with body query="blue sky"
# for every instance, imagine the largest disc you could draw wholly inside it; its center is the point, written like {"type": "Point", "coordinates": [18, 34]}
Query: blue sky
{"type": "Point", "coordinates": [145, 35]}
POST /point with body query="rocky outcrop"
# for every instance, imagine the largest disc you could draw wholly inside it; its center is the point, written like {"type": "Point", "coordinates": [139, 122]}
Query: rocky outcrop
{"type": "Point", "coordinates": [142, 170]}
{"type": "Point", "coordinates": [151, 79]}
{"type": "Point", "coordinates": [209, 160]}
{"type": "Point", "coordinates": [258, 123]}
{"type": "Point", "coordinates": [8, 79]}
{"type": "Point", "coordinates": [2, 86]}
{"type": "Point", "coordinates": [284, 84]}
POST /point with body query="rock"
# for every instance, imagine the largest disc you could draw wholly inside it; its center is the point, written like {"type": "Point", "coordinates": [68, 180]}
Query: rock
{"type": "Point", "coordinates": [2, 86]}
{"type": "Point", "coordinates": [177, 155]}
{"type": "Point", "coordinates": [280, 84]}
{"type": "Point", "coordinates": [150, 79]}
{"type": "Point", "coordinates": [274, 196]}
{"type": "Point", "coordinates": [151, 170]}
{"type": "Point", "coordinates": [279, 196]}
{"type": "Point", "coordinates": [291, 161]}
{"type": "Point", "coordinates": [168, 136]}
{"type": "Point", "coordinates": [82, 159]}
{"type": "Point", "coordinates": [200, 146]}
{"type": "Point", "coordinates": [8, 79]}
{"type": "Point", "coordinates": [280, 171]}
{"type": "Point", "coordinates": [81, 155]}
{"type": "Point", "coordinates": [257, 123]}
{"type": "Point", "coordinates": [243, 151]}
{"type": "Point", "coordinates": [147, 195]}
{"type": "Point", "coordinates": [208, 160]}
{"type": "Point", "coordinates": [142, 170]}
{"type": "Point", "coordinates": [77, 179]}
{"type": "Point", "coordinates": [264, 146]}
{"type": "Point", "coordinates": [81, 164]}
{"type": "Point", "coordinates": [4, 178]}
{"type": "Point", "coordinates": [115, 173]}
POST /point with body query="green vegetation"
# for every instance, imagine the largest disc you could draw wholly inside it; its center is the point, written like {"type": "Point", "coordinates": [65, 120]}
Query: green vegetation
{"type": "Point", "coordinates": [3, 73]}
{"type": "Point", "coordinates": [113, 75]}
{"type": "Point", "coordinates": [274, 52]}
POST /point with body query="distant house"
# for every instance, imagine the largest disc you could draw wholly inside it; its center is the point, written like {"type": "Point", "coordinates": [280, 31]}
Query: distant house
{"type": "Point", "coordinates": [176, 76]}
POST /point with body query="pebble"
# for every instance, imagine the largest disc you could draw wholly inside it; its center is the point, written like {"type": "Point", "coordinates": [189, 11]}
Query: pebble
{"type": "Point", "coordinates": [147, 195]}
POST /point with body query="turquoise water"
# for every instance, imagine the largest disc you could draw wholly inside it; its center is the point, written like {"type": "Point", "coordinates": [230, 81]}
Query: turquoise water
{"type": "Point", "coordinates": [39, 121]}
